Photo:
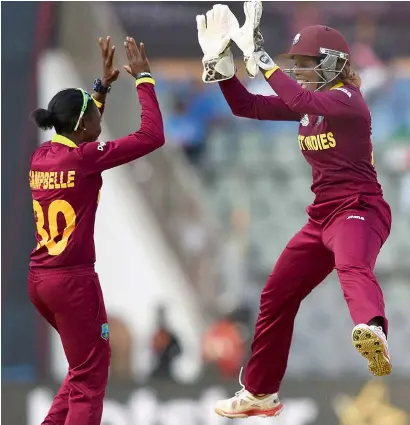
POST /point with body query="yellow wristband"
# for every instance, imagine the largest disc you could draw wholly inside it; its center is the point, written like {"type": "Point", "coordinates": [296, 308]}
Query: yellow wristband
{"type": "Point", "coordinates": [144, 80]}
{"type": "Point", "coordinates": [97, 103]}
{"type": "Point", "coordinates": [271, 71]}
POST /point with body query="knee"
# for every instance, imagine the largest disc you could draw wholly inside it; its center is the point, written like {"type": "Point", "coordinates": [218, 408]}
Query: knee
{"type": "Point", "coordinates": [92, 375]}
{"type": "Point", "coordinates": [276, 294]}
{"type": "Point", "coordinates": [358, 281]}
{"type": "Point", "coordinates": [354, 271]}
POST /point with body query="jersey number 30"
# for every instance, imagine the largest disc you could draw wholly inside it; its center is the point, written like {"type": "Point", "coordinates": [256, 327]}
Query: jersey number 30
{"type": "Point", "coordinates": [48, 238]}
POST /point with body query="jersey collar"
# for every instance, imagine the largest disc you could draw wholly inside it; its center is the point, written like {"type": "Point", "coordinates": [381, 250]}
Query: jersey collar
{"type": "Point", "coordinates": [337, 85]}
{"type": "Point", "coordinates": [58, 138]}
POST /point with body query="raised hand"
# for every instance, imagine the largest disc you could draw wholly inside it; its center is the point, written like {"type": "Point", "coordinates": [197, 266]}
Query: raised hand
{"type": "Point", "coordinates": [214, 36]}
{"type": "Point", "coordinates": [244, 36]}
{"type": "Point", "coordinates": [137, 58]}
{"type": "Point", "coordinates": [110, 73]}
{"type": "Point", "coordinates": [249, 39]}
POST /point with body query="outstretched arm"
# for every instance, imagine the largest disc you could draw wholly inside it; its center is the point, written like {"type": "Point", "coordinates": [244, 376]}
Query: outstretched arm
{"type": "Point", "coordinates": [335, 102]}
{"type": "Point", "coordinates": [248, 105]}
{"type": "Point", "coordinates": [223, 22]}
{"type": "Point", "coordinates": [100, 156]}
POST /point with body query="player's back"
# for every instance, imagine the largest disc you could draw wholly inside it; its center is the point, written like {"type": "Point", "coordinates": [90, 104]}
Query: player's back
{"type": "Point", "coordinates": [65, 180]}
{"type": "Point", "coordinates": [65, 198]}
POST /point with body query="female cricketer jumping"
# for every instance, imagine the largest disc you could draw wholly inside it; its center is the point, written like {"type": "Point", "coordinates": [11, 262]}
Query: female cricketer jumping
{"type": "Point", "coordinates": [348, 221]}
{"type": "Point", "coordinates": [65, 180]}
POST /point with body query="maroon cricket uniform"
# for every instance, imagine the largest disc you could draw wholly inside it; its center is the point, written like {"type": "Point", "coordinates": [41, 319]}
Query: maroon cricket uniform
{"type": "Point", "coordinates": [348, 221]}
{"type": "Point", "coordinates": [65, 180]}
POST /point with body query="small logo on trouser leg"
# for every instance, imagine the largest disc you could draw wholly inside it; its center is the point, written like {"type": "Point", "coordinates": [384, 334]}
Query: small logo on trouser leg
{"type": "Point", "coordinates": [105, 332]}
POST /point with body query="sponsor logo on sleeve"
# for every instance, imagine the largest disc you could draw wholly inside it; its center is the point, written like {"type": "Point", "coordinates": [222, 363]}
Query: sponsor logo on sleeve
{"type": "Point", "coordinates": [345, 91]}
{"type": "Point", "coordinates": [101, 146]}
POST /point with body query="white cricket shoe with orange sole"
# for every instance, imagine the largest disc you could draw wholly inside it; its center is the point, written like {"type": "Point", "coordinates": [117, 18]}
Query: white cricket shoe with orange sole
{"type": "Point", "coordinates": [371, 343]}
{"type": "Point", "coordinates": [245, 404]}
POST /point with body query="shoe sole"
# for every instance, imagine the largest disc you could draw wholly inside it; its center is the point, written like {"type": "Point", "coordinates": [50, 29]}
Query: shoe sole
{"type": "Point", "coordinates": [371, 347]}
{"type": "Point", "coordinates": [253, 412]}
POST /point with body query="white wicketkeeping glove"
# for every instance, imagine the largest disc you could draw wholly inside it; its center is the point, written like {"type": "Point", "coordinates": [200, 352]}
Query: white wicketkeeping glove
{"type": "Point", "coordinates": [249, 39]}
{"type": "Point", "coordinates": [214, 36]}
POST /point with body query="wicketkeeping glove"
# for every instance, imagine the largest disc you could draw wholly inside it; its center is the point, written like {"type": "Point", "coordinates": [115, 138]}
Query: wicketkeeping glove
{"type": "Point", "coordinates": [250, 40]}
{"type": "Point", "coordinates": [214, 36]}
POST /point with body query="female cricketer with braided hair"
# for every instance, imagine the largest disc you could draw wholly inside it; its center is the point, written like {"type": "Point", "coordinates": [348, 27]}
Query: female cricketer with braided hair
{"type": "Point", "coordinates": [65, 181]}
{"type": "Point", "coordinates": [349, 220]}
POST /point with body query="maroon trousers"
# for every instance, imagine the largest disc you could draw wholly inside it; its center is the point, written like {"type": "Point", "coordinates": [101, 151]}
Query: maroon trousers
{"type": "Point", "coordinates": [350, 243]}
{"type": "Point", "coordinates": [71, 301]}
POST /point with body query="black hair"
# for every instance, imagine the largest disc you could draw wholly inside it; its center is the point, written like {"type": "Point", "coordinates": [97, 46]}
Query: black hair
{"type": "Point", "coordinates": [62, 112]}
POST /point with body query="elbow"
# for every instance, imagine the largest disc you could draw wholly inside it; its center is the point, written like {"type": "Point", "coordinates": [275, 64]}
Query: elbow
{"type": "Point", "coordinates": [153, 139]}
{"type": "Point", "coordinates": [240, 111]}
{"type": "Point", "coordinates": [157, 135]}
{"type": "Point", "coordinates": [159, 140]}
{"type": "Point", "coordinates": [248, 108]}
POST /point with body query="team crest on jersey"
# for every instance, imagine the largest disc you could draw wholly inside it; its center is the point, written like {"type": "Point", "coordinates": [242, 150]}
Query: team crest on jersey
{"type": "Point", "coordinates": [305, 120]}
{"type": "Point", "coordinates": [105, 332]}
{"type": "Point", "coordinates": [296, 39]}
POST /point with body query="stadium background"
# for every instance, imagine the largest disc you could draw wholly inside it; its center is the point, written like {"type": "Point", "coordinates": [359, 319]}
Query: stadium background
{"type": "Point", "coordinates": [187, 236]}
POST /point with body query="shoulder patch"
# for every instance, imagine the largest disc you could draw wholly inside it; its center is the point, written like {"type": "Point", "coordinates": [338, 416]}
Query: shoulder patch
{"type": "Point", "coordinates": [101, 145]}
{"type": "Point", "coordinates": [344, 91]}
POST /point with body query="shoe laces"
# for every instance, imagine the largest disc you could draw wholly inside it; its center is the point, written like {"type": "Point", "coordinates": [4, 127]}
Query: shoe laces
{"type": "Point", "coordinates": [380, 332]}
{"type": "Point", "coordinates": [241, 392]}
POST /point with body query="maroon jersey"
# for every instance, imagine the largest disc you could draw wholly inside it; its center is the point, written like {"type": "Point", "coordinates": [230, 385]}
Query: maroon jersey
{"type": "Point", "coordinates": [334, 133]}
{"type": "Point", "coordinates": [65, 181]}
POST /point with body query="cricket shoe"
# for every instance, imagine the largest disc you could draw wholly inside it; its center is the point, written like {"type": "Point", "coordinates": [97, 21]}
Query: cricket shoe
{"type": "Point", "coordinates": [371, 343]}
{"type": "Point", "coordinates": [244, 404]}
